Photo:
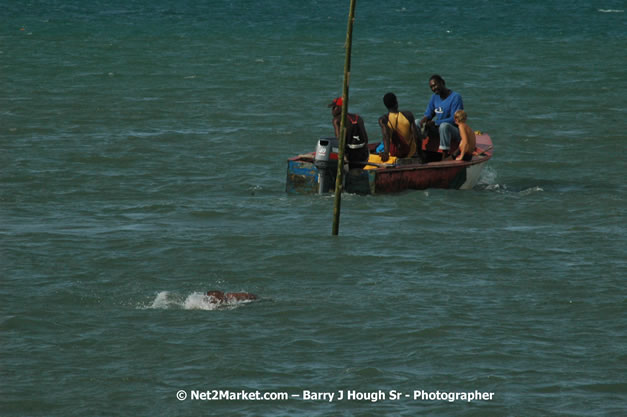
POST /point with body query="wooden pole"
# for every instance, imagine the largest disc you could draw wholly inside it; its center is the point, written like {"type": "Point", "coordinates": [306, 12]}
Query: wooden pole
{"type": "Point", "coordinates": [342, 140]}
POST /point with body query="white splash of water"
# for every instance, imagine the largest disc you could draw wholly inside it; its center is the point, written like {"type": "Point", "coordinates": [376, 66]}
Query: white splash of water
{"type": "Point", "coordinates": [487, 177]}
{"type": "Point", "coordinates": [531, 190]}
{"type": "Point", "coordinates": [165, 300]}
{"type": "Point", "coordinates": [200, 301]}
{"type": "Point", "coordinates": [161, 301]}
{"type": "Point", "coordinates": [496, 187]}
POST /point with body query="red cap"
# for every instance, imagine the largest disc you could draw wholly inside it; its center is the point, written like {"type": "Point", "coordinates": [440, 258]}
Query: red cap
{"type": "Point", "coordinates": [336, 102]}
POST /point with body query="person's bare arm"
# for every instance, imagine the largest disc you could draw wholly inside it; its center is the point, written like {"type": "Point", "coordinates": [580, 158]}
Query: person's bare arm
{"type": "Point", "coordinates": [463, 132]}
{"type": "Point", "coordinates": [336, 127]}
{"type": "Point", "coordinates": [383, 121]}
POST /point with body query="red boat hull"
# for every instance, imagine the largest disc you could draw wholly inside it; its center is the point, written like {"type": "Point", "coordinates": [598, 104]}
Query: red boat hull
{"type": "Point", "coordinates": [303, 176]}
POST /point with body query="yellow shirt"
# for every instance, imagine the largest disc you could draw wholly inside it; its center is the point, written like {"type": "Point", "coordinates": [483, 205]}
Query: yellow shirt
{"type": "Point", "coordinates": [399, 124]}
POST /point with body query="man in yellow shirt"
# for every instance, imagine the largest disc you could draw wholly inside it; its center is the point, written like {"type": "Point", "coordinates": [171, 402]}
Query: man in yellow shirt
{"type": "Point", "coordinates": [400, 137]}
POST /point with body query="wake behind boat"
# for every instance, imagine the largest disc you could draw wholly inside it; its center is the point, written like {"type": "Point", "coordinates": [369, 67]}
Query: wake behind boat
{"type": "Point", "coordinates": [315, 172]}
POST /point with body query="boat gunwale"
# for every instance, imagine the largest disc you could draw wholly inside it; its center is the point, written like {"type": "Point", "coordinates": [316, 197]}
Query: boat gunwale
{"type": "Point", "coordinates": [477, 159]}
{"type": "Point", "coordinates": [484, 143]}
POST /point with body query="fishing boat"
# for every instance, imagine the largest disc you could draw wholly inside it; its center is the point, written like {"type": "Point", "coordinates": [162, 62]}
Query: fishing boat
{"type": "Point", "coordinates": [314, 172]}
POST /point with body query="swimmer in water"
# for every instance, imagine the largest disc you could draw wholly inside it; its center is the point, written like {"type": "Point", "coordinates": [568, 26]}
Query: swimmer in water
{"type": "Point", "coordinates": [219, 297]}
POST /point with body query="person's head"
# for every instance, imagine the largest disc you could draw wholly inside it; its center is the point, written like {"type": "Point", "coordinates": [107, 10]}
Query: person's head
{"type": "Point", "coordinates": [460, 116]}
{"type": "Point", "coordinates": [219, 295]}
{"type": "Point", "coordinates": [390, 101]}
{"type": "Point", "coordinates": [336, 106]}
{"type": "Point", "coordinates": [437, 84]}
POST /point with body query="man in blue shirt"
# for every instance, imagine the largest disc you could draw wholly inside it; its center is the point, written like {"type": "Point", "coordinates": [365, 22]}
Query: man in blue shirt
{"type": "Point", "coordinates": [440, 114]}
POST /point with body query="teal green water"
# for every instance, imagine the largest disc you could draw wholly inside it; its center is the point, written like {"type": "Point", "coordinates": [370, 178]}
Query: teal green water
{"type": "Point", "coordinates": [143, 160]}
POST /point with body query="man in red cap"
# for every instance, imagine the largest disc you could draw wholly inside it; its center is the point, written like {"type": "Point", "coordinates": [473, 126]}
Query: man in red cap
{"type": "Point", "coordinates": [356, 150]}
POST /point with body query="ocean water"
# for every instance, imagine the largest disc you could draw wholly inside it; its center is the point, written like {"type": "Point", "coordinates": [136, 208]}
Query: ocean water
{"type": "Point", "coordinates": [143, 157]}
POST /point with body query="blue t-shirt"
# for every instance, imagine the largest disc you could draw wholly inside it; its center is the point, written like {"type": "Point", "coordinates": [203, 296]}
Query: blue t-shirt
{"type": "Point", "coordinates": [444, 110]}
